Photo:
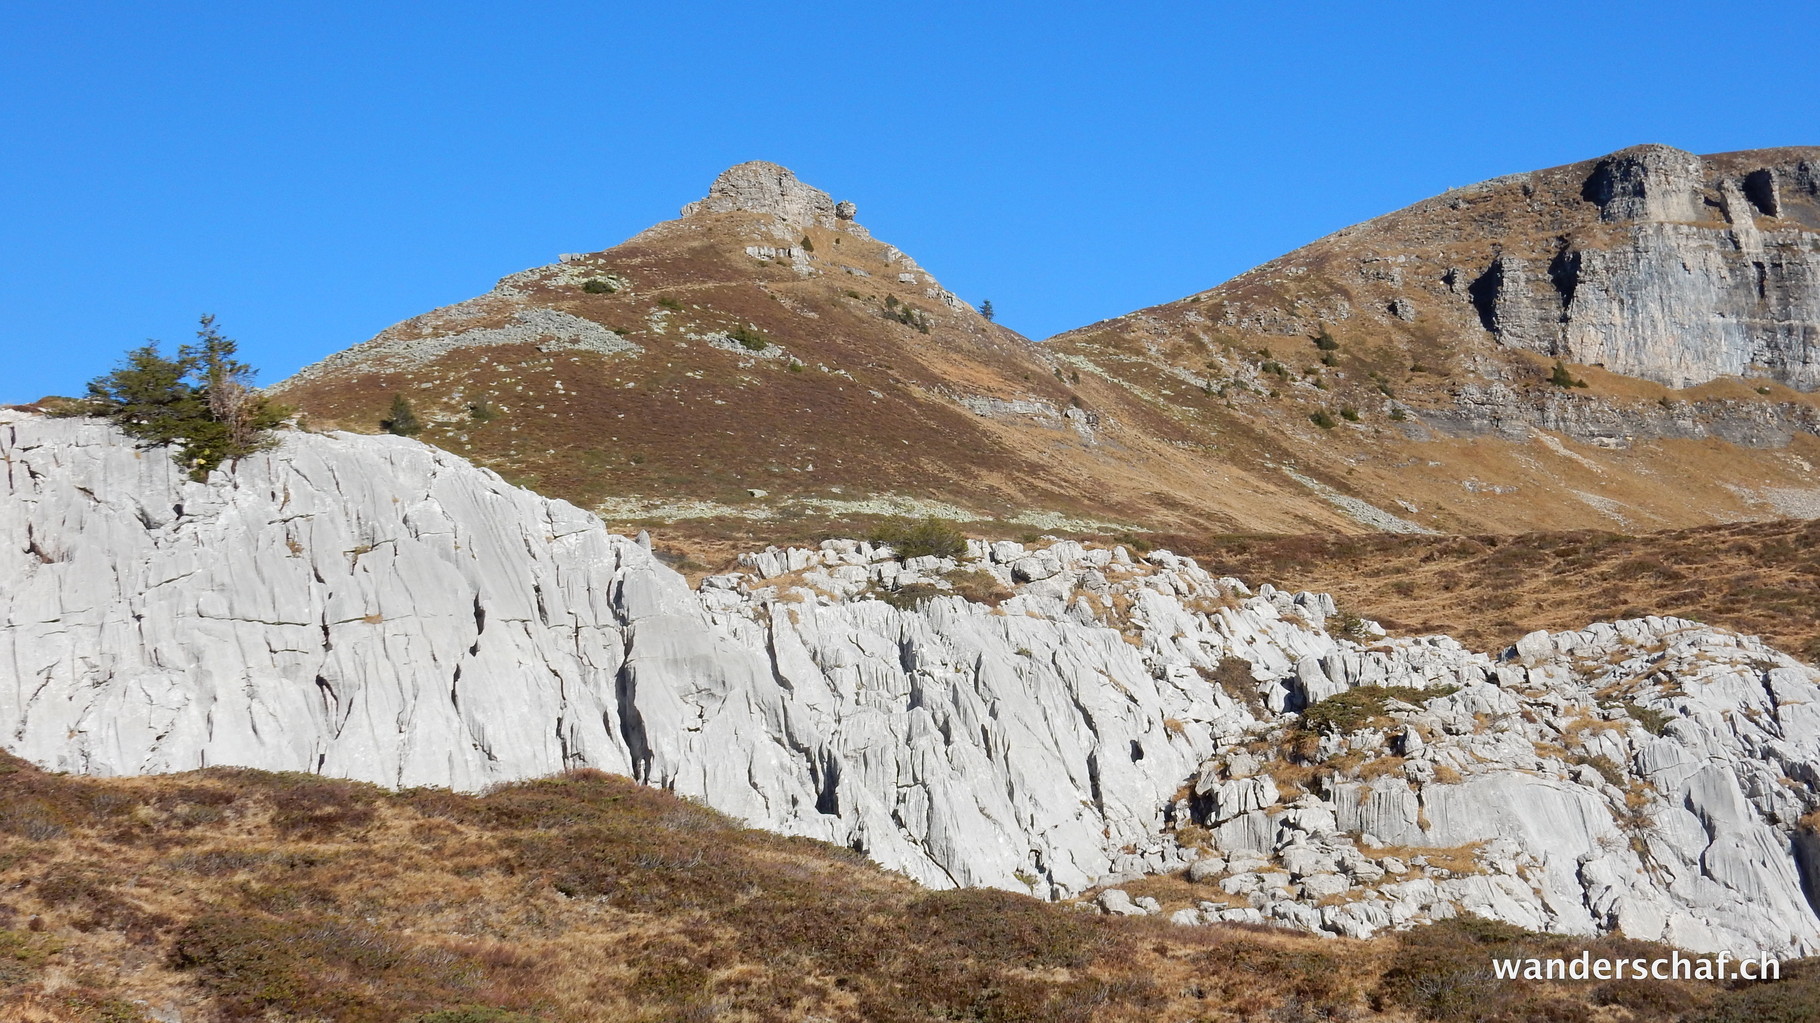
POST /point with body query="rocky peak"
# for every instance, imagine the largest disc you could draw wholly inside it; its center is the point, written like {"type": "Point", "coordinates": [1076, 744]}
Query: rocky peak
{"type": "Point", "coordinates": [760, 187]}
{"type": "Point", "coordinates": [1647, 182]}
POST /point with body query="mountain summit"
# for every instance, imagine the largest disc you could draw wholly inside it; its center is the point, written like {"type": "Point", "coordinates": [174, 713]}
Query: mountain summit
{"type": "Point", "coordinates": [763, 362]}
{"type": "Point", "coordinates": [760, 187]}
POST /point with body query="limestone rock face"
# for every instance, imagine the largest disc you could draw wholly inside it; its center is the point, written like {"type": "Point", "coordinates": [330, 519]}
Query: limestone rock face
{"type": "Point", "coordinates": [1639, 776]}
{"type": "Point", "coordinates": [372, 608]}
{"type": "Point", "coordinates": [1693, 275]}
{"type": "Point", "coordinates": [760, 187]}
{"type": "Point", "coordinates": [1649, 182]}
{"type": "Point", "coordinates": [361, 607]}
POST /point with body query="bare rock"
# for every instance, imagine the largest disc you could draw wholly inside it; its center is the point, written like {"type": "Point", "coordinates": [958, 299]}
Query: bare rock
{"type": "Point", "coordinates": [761, 187]}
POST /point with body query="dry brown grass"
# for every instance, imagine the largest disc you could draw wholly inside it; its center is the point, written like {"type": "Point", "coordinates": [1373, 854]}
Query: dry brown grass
{"type": "Point", "coordinates": [1461, 859]}
{"type": "Point", "coordinates": [241, 895]}
{"type": "Point", "coordinates": [1757, 578]}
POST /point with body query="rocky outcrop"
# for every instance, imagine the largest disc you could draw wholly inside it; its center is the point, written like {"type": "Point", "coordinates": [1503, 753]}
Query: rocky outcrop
{"type": "Point", "coordinates": [1695, 272]}
{"type": "Point", "coordinates": [760, 187]}
{"type": "Point", "coordinates": [1047, 718]}
{"type": "Point", "coordinates": [1647, 776]}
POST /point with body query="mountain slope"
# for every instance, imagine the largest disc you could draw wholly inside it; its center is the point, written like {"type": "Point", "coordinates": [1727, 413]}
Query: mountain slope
{"type": "Point", "coordinates": [765, 342]}
{"type": "Point", "coordinates": [763, 369]}
{"type": "Point", "coordinates": [1407, 362]}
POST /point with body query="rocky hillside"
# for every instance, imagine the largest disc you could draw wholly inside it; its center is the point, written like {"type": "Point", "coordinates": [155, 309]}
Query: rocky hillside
{"type": "Point", "coordinates": [763, 365]}
{"type": "Point", "coordinates": [1404, 368]}
{"type": "Point", "coordinates": [1048, 718]}
{"type": "Point", "coordinates": [762, 369]}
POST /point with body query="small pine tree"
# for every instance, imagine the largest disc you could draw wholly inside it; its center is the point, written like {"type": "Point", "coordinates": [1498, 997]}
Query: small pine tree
{"type": "Point", "coordinates": [147, 396]}
{"type": "Point", "coordinates": [986, 309]}
{"type": "Point", "coordinates": [239, 416]}
{"type": "Point", "coordinates": [403, 421]}
{"type": "Point", "coordinates": [203, 401]}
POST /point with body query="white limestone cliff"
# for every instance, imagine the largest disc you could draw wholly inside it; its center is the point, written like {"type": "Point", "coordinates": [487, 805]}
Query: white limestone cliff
{"type": "Point", "coordinates": [372, 608]}
{"type": "Point", "coordinates": [1693, 273]}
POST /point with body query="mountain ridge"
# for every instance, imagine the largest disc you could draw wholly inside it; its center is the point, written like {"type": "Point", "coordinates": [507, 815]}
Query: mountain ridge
{"type": "Point", "coordinates": [1393, 375]}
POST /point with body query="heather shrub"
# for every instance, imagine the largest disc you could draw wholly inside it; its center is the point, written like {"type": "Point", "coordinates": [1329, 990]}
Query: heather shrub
{"type": "Point", "coordinates": [928, 536]}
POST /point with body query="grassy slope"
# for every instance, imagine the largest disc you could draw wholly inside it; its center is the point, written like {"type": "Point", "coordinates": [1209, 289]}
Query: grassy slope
{"type": "Point", "coordinates": [861, 406]}
{"type": "Point", "coordinates": [1203, 409]}
{"type": "Point", "coordinates": [1758, 578]}
{"type": "Point", "coordinates": [240, 895]}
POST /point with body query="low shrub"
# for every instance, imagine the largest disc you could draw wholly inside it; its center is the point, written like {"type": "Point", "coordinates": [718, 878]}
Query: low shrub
{"type": "Point", "coordinates": [1349, 625]}
{"type": "Point", "coordinates": [1233, 675]}
{"type": "Point", "coordinates": [1653, 721]}
{"type": "Point", "coordinates": [1363, 706]}
{"type": "Point", "coordinates": [749, 338]}
{"type": "Point", "coordinates": [907, 598]}
{"type": "Point", "coordinates": [1610, 771]}
{"type": "Point", "coordinates": [929, 536]}
{"type": "Point", "coordinates": [906, 314]}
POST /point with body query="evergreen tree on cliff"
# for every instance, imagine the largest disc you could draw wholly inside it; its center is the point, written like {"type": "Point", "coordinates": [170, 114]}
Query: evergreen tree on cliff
{"type": "Point", "coordinates": [203, 401]}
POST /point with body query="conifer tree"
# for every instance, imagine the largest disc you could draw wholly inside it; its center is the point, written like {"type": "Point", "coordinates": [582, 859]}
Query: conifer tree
{"type": "Point", "coordinates": [403, 421]}
{"type": "Point", "coordinates": [203, 401]}
{"type": "Point", "coordinates": [147, 396]}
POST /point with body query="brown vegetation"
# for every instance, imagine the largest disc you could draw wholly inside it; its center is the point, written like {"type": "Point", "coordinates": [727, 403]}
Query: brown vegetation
{"type": "Point", "coordinates": [1760, 578]}
{"type": "Point", "coordinates": [241, 895]}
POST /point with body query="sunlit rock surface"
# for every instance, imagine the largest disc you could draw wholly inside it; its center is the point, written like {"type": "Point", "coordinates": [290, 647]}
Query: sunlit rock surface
{"type": "Point", "coordinates": [1048, 718]}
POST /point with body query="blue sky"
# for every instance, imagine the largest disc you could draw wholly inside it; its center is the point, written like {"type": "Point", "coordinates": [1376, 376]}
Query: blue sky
{"type": "Point", "coordinates": [312, 173]}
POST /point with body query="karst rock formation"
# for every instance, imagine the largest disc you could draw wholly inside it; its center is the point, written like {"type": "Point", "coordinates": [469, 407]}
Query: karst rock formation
{"type": "Point", "coordinates": [376, 609]}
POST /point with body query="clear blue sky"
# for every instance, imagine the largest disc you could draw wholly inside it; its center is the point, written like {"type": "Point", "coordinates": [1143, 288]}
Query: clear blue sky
{"type": "Point", "coordinates": [315, 172]}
